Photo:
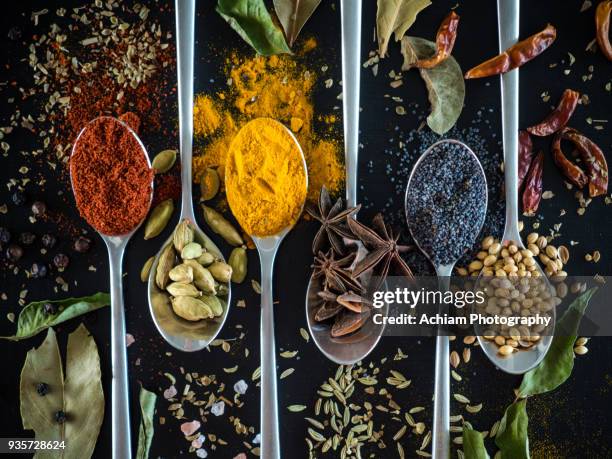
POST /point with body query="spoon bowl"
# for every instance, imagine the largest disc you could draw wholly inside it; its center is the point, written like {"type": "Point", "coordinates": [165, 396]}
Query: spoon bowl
{"type": "Point", "coordinates": [116, 244]}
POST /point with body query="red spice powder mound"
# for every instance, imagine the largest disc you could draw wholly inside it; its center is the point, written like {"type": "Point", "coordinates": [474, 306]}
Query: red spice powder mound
{"type": "Point", "coordinates": [167, 186]}
{"type": "Point", "coordinates": [111, 178]}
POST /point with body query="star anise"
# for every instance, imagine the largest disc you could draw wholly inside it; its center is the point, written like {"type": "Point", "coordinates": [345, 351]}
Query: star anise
{"type": "Point", "coordinates": [335, 273]}
{"type": "Point", "coordinates": [383, 249]}
{"type": "Point", "coordinates": [333, 219]}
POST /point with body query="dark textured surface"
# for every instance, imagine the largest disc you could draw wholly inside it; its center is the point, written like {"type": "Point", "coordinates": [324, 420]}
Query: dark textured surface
{"type": "Point", "coordinates": [573, 421]}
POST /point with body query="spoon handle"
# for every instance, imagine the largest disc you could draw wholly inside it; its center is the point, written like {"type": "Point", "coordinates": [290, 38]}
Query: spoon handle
{"type": "Point", "coordinates": [270, 443]}
{"type": "Point", "coordinates": [351, 55]}
{"type": "Point", "coordinates": [185, 19]}
{"type": "Point", "coordinates": [508, 24]}
{"type": "Point", "coordinates": [121, 438]}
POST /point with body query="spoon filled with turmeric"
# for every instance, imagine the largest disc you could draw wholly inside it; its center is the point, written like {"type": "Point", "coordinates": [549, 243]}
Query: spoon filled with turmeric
{"type": "Point", "coordinates": [266, 184]}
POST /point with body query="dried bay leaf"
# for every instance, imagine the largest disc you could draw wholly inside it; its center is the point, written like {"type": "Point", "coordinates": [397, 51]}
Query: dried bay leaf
{"type": "Point", "coordinates": [396, 16]}
{"type": "Point", "coordinates": [558, 363]}
{"type": "Point", "coordinates": [146, 429]}
{"type": "Point", "coordinates": [80, 395]}
{"type": "Point", "coordinates": [293, 14]}
{"type": "Point", "coordinates": [444, 82]}
{"type": "Point", "coordinates": [33, 318]}
{"type": "Point", "coordinates": [253, 22]}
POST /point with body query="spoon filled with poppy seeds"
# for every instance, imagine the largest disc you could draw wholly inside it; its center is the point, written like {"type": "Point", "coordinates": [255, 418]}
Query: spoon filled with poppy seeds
{"type": "Point", "coordinates": [446, 203]}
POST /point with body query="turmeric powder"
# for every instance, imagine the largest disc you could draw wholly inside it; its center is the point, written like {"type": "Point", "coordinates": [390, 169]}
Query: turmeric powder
{"type": "Point", "coordinates": [265, 178]}
{"type": "Point", "coordinates": [277, 87]}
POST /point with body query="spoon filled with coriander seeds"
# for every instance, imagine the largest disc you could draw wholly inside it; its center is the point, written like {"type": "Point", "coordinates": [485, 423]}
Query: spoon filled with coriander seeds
{"type": "Point", "coordinates": [446, 203]}
{"type": "Point", "coordinates": [189, 281]}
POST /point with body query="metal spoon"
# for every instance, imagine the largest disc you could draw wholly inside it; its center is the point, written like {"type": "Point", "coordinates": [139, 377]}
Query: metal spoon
{"type": "Point", "coordinates": [441, 420]}
{"type": "Point", "coordinates": [355, 347]}
{"type": "Point", "coordinates": [184, 335]}
{"type": "Point", "coordinates": [267, 247]}
{"type": "Point", "coordinates": [508, 23]}
{"type": "Point", "coordinates": [115, 245]}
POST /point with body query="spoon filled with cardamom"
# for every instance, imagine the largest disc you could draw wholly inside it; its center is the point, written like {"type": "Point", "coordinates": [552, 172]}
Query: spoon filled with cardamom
{"type": "Point", "coordinates": [189, 282]}
{"type": "Point", "coordinates": [266, 183]}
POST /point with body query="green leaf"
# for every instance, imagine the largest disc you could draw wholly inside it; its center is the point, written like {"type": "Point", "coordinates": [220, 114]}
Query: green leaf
{"type": "Point", "coordinates": [473, 444]}
{"type": "Point", "coordinates": [146, 429]}
{"type": "Point", "coordinates": [444, 82]}
{"type": "Point", "coordinates": [293, 14]}
{"type": "Point", "coordinates": [512, 437]}
{"type": "Point", "coordinates": [33, 319]}
{"type": "Point", "coordinates": [253, 22]}
{"type": "Point", "coordinates": [79, 396]}
{"type": "Point", "coordinates": [396, 16]}
{"type": "Point", "coordinates": [558, 363]}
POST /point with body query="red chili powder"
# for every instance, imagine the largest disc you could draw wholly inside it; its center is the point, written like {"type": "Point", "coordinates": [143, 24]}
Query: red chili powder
{"type": "Point", "coordinates": [111, 179]}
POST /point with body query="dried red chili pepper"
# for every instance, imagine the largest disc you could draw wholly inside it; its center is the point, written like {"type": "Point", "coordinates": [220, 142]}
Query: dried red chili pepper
{"type": "Point", "coordinates": [445, 41]}
{"type": "Point", "coordinates": [525, 156]}
{"type": "Point", "coordinates": [602, 24]}
{"type": "Point", "coordinates": [592, 156]}
{"type": "Point", "coordinates": [516, 55]}
{"type": "Point", "coordinates": [559, 117]}
{"type": "Point", "coordinates": [532, 195]}
{"type": "Point", "coordinates": [572, 172]}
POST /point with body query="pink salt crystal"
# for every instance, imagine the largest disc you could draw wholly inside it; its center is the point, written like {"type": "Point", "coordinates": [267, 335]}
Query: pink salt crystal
{"type": "Point", "coordinates": [189, 428]}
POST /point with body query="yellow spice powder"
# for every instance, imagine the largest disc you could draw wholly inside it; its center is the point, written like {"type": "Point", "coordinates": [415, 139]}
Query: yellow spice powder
{"type": "Point", "coordinates": [275, 87]}
{"type": "Point", "coordinates": [265, 178]}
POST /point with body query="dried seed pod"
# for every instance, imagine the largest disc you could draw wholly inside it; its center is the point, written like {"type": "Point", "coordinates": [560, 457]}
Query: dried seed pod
{"type": "Point", "coordinates": [221, 226]}
{"type": "Point", "coordinates": [348, 322]}
{"type": "Point", "coordinates": [221, 271]}
{"type": "Point", "coordinates": [179, 289]}
{"type": "Point", "coordinates": [191, 251]}
{"type": "Point", "coordinates": [165, 264]}
{"type": "Point", "coordinates": [159, 218]}
{"type": "Point", "coordinates": [213, 303]}
{"type": "Point", "coordinates": [146, 269]}
{"type": "Point", "coordinates": [328, 310]}
{"type": "Point", "coordinates": [183, 235]}
{"type": "Point", "coordinates": [202, 278]}
{"type": "Point", "coordinates": [209, 184]}
{"type": "Point", "coordinates": [191, 309]}
{"type": "Point", "coordinates": [164, 161]}
{"type": "Point", "coordinates": [354, 302]}
{"type": "Point", "coordinates": [182, 273]}
{"type": "Point", "coordinates": [238, 261]}
{"type": "Point", "coordinates": [206, 258]}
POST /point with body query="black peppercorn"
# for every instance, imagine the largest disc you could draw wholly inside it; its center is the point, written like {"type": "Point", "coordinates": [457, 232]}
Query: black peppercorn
{"type": "Point", "coordinates": [60, 417]}
{"type": "Point", "coordinates": [48, 241]}
{"type": "Point", "coordinates": [14, 252]}
{"type": "Point", "coordinates": [82, 244]}
{"type": "Point", "coordinates": [61, 261]}
{"type": "Point", "coordinates": [38, 270]}
{"type": "Point", "coordinates": [5, 235]}
{"type": "Point", "coordinates": [42, 389]}
{"type": "Point", "coordinates": [19, 198]}
{"type": "Point", "coordinates": [27, 238]}
{"type": "Point", "coordinates": [39, 208]}
{"type": "Point", "coordinates": [49, 308]}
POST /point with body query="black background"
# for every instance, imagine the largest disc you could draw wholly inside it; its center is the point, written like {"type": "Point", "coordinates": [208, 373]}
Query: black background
{"type": "Point", "coordinates": [572, 421]}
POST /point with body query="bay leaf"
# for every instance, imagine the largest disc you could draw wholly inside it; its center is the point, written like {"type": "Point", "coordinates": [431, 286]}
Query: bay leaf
{"type": "Point", "coordinates": [558, 363]}
{"type": "Point", "coordinates": [293, 14]}
{"type": "Point", "coordinates": [395, 17]}
{"type": "Point", "coordinates": [146, 429]}
{"type": "Point", "coordinates": [79, 395]}
{"type": "Point", "coordinates": [33, 319]}
{"type": "Point", "coordinates": [473, 444]}
{"type": "Point", "coordinates": [444, 82]}
{"type": "Point", "coordinates": [511, 436]}
{"type": "Point", "coordinates": [253, 22]}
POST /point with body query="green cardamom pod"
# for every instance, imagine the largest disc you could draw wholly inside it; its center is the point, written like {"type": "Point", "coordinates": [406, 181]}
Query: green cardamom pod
{"type": "Point", "coordinates": [146, 269]}
{"type": "Point", "coordinates": [213, 303]}
{"type": "Point", "coordinates": [202, 278]}
{"type": "Point", "coordinates": [221, 271]}
{"type": "Point", "coordinates": [164, 265]}
{"type": "Point", "coordinates": [205, 259]}
{"type": "Point", "coordinates": [179, 289]}
{"type": "Point", "coordinates": [159, 218]}
{"type": "Point", "coordinates": [220, 225]}
{"type": "Point", "coordinates": [191, 251]}
{"type": "Point", "coordinates": [163, 161]}
{"type": "Point", "coordinates": [238, 261]}
{"type": "Point", "coordinates": [191, 308]}
{"type": "Point", "coordinates": [222, 290]}
{"type": "Point", "coordinates": [209, 184]}
{"type": "Point", "coordinates": [182, 273]}
{"type": "Point", "coordinates": [183, 235]}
